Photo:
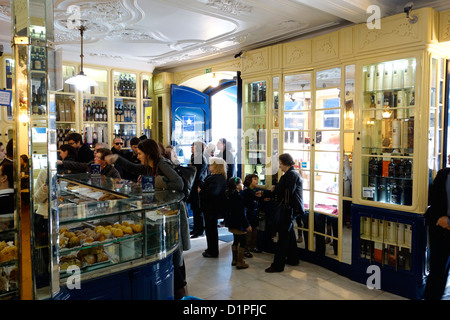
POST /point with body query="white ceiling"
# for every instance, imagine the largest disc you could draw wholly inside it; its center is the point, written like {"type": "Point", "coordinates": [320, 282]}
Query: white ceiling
{"type": "Point", "coordinates": [164, 34]}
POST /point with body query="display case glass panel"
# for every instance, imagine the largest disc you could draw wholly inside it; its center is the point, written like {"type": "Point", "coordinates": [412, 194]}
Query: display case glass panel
{"type": "Point", "coordinates": [386, 242]}
{"type": "Point", "coordinates": [388, 132]}
{"type": "Point", "coordinates": [255, 133]}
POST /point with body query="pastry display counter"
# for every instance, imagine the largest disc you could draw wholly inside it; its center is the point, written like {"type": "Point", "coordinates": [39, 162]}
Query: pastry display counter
{"type": "Point", "coordinates": [104, 228]}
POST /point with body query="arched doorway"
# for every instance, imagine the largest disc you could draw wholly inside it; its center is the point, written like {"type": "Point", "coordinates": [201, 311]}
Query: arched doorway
{"type": "Point", "coordinates": [224, 112]}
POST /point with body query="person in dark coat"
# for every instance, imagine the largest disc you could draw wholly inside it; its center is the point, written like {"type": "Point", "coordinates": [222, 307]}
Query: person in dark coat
{"type": "Point", "coordinates": [290, 182]}
{"type": "Point", "coordinates": [212, 201]}
{"type": "Point", "coordinates": [252, 197]}
{"type": "Point", "coordinates": [236, 221]}
{"type": "Point", "coordinates": [132, 157]}
{"type": "Point", "coordinates": [198, 160]}
{"type": "Point", "coordinates": [84, 153]}
{"type": "Point", "coordinates": [438, 221]}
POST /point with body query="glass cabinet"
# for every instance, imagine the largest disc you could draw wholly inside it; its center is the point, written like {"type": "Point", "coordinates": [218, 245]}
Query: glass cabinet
{"type": "Point", "coordinates": [146, 106]}
{"type": "Point", "coordinates": [388, 132]}
{"type": "Point", "coordinates": [95, 108]}
{"type": "Point", "coordinates": [125, 115]}
{"type": "Point", "coordinates": [9, 257]}
{"type": "Point", "coordinates": [254, 127]}
{"type": "Point", "coordinates": [66, 115]}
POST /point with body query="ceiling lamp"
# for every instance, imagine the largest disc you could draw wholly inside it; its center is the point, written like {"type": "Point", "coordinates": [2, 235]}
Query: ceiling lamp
{"type": "Point", "coordinates": [81, 81]}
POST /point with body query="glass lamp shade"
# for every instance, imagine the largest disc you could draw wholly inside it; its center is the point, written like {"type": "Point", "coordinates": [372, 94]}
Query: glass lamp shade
{"type": "Point", "coordinates": [81, 82]}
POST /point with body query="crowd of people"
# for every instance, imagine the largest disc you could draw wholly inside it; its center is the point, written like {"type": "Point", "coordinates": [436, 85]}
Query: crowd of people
{"type": "Point", "coordinates": [217, 193]}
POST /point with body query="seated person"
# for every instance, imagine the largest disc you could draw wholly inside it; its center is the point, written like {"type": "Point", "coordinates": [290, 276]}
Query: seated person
{"type": "Point", "coordinates": [80, 167]}
{"type": "Point", "coordinates": [6, 196]}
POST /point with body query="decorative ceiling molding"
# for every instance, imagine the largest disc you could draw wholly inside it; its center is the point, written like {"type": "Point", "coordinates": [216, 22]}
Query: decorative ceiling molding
{"type": "Point", "coordinates": [233, 7]}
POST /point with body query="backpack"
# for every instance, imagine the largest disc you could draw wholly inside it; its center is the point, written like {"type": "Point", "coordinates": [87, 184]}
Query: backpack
{"type": "Point", "coordinates": [187, 174]}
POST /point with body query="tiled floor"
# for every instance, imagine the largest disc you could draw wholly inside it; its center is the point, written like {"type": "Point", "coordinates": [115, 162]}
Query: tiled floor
{"type": "Point", "coordinates": [215, 279]}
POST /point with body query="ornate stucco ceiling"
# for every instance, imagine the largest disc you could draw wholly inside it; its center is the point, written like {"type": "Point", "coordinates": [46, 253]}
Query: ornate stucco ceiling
{"type": "Point", "coordinates": [148, 34]}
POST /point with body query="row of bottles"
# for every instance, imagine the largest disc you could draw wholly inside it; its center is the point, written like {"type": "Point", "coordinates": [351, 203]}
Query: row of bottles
{"type": "Point", "coordinates": [125, 113]}
{"type": "Point", "coordinates": [38, 60]}
{"type": "Point", "coordinates": [125, 86]}
{"type": "Point", "coordinates": [386, 231]}
{"type": "Point", "coordinates": [95, 111]}
{"type": "Point", "coordinates": [393, 102]}
{"type": "Point", "coordinates": [390, 76]}
{"type": "Point", "coordinates": [256, 92]}
{"type": "Point", "coordinates": [390, 181]}
{"type": "Point", "coordinates": [61, 136]}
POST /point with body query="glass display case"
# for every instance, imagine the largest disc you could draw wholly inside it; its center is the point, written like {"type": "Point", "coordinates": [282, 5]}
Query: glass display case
{"type": "Point", "coordinates": [388, 132]}
{"type": "Point", "coordinates": [9, 257]}
{"type": "Point", "coordinates": [125, 114]}
{"type": "Point", "coordinates": [95, 108]}
{"type": "Point", "coordinates": [255, 133]}
{"type": "Point", "coordinates": [101, 225]}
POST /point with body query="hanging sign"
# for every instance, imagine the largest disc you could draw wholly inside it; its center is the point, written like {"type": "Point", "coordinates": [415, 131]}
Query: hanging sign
{"type": "Point", "coordinates": [5, 98]}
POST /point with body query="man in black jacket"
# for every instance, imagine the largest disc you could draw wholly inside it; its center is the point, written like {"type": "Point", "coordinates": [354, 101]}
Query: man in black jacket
{"type": "Point", "coordinates": [85, 154]}
{"type": "Point", "coordinates": [438, 220]}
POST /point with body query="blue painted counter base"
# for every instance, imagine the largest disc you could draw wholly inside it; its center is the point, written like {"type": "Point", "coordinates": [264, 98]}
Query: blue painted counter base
{"type": "Point", "coordinates": [153, 281]}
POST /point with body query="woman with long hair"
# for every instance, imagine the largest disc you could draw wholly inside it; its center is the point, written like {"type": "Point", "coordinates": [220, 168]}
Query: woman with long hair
{"type": "Point", "coordinates": [154, 163]}
{"type": "Point", "coordinates": [212, 201]}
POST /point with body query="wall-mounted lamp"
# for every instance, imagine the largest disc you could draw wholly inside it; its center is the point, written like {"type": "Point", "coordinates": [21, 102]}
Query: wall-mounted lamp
{"type": "Point", "coordinates": [81, 81]}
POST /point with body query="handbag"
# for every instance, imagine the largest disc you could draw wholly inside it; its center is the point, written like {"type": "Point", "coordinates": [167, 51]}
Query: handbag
{"type": "Point", "coordinates": [284, 215]}
{"type": "Point", "coordinates": [187, 174]}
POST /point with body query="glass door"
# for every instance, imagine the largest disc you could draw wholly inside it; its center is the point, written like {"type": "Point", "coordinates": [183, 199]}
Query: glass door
{"type": "Point", "coordinates": [319, 136]}
{"type": "Point", "coordinates": [297, 127]}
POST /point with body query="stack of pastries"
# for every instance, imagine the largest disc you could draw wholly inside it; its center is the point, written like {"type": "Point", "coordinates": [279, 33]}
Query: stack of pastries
{"type": "Point", "coordinates": [72, 239]}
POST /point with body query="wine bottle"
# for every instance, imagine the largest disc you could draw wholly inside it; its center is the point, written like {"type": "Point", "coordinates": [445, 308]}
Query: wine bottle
{"type": "Point", "coordinates": [372, 108]}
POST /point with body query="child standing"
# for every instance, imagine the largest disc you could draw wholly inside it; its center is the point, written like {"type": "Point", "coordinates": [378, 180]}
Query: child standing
{"type": "Point", "coordinates": [236, 221]}
{"type": "Point", "coordinates": [252, 196]}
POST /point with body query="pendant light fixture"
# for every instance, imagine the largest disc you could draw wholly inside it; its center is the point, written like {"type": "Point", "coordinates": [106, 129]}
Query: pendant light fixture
{"type": "Point", "coordinates": [81, 81]}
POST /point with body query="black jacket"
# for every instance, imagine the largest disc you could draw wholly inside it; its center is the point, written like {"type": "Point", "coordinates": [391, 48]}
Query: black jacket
{"type": "Point", "coordinates": [202, 170]}
{"type": "Point", "coordinates": [236, 217]}
{"type": "Point", "coordinates": [437, 198]}
{"type": "Point", "coordinates": [291, 181]}
{"type": "Point", "coordinates": [212, 194]}
{"type": "Point", "coordinates": [85, 154]}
